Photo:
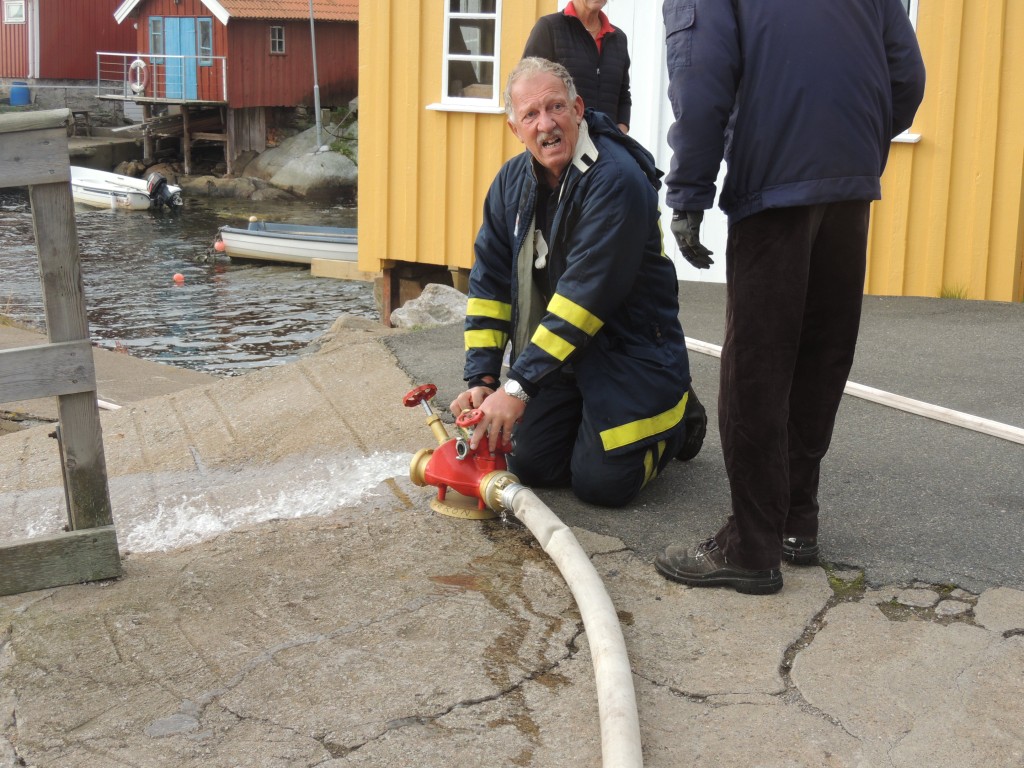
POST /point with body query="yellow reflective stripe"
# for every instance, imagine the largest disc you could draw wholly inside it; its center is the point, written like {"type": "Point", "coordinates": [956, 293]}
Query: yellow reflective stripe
{"type": "Point", "coordinates": [499, 310]}
{"type": "Point", "coordinates": [486, 338]}
{"type": "Point", "coordinates": [649, 466]}
{"type": "Point", "coordinates": [616, 437]}
{"type": "Point", "coordinates": [551, 343]}
{"type": "Point", "coordinates": [573, 313]}
{"type": "Point", "coordinates": [652, 458]}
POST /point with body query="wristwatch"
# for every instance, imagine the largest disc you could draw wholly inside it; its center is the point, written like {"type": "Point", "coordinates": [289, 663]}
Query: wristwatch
{"type": "Point", "coordinates": [514, 388]}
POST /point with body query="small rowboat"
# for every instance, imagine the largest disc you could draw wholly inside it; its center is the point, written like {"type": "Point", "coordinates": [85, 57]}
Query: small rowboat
{"type": "Point", "coordinates": [99, 189]}
{"type": "Point", "coordinates": [292, 243]}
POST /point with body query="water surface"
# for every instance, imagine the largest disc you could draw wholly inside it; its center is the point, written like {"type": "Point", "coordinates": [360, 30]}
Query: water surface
{"type": "Point", "coordinates": [225, 318]}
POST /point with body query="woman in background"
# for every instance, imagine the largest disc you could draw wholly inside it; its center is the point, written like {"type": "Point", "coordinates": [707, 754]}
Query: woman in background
{"type": "Point", "coordinates": [583, 41]}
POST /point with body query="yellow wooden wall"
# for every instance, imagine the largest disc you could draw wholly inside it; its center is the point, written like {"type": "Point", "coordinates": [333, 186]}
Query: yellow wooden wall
{"type": "Point", "coordinates": [951, 218]}
{"type": "Point", "coordinates": [423, 174]}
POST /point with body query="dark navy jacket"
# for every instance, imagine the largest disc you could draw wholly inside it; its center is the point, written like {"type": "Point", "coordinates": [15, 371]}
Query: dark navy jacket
{"type": "Point", "coordinates": [602, 79]}
{"type": "Point", "coordinates": [614, 311]}
{"type": "Point", "coordinates": [816, 89]}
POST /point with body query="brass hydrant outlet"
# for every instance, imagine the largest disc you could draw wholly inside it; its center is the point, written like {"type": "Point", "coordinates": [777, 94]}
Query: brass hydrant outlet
{"type": "Point", "coordinates": [418, 466]}
{"type": "Point", "coordinates": [491, 487]}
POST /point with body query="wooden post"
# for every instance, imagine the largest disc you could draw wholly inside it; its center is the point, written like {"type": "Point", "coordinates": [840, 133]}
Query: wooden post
{"type": "Point", "coordinates": [148, 145]}
{"type": "Point", "coordinates": [186, 139]}
{"type": "Point", "coordinates": [227, 120]}
{"type": "Point", "coordinates": [34, 153]}
{"type": "Point", "coordinates": [390, 291]}
{"type": "Point", "coordinates": [66, 320]}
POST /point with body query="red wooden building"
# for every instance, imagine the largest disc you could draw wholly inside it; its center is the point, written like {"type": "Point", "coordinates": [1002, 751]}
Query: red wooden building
{"type": "Point", "coordinates": [58, 39]}
{"type": "Point", "coordinates": [236, 60]}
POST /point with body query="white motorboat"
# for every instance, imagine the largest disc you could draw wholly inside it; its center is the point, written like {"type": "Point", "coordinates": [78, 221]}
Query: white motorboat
{"type": "Point", "coordinates": [293, 243]}
{"type": "Point", "coordinates": [100, 189]}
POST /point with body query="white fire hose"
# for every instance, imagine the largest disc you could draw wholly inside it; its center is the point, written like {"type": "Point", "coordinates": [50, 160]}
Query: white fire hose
{"type": "Point", "coordinates": [616, 699]}
{"type": "Point", "coordinates": [901, 403]}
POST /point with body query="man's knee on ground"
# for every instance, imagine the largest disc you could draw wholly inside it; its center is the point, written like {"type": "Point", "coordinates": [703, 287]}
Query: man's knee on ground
{"type": "Point", "coordinates": [603, 488]}
{"type": "Point", "coordinates": [538, 473]}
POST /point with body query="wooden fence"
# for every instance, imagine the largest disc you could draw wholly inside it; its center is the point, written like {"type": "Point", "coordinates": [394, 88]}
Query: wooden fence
{"type": "Point", "coordinates": [34, 154]}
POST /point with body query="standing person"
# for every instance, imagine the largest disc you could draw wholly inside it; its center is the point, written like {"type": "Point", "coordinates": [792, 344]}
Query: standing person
{"type": "Point", "coordinates": [803, 98]}
{"type": "Point", "coordinates": [570, 267]}
{"type": "Point", "coordinates": [583, 41]}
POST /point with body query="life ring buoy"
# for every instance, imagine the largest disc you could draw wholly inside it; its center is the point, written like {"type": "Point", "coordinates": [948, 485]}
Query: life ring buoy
{"type": "Point", "coordinates": [137, 76]}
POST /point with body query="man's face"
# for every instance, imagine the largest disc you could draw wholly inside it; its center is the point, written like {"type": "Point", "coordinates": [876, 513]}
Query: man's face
{"type": "Point", "coordinates": [546, 121]}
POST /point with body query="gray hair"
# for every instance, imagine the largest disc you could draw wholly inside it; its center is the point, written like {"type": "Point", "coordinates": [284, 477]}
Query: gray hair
{"type": "Point", "coordinates": [534, 65]}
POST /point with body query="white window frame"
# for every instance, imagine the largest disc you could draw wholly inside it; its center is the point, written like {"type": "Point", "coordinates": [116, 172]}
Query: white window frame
{"type": "Point", "coordinates": [204, 28]}
{"type": "Point", "coordinates": [156, 40]}
{"type": "Point", "coordinates": [281, 40]}
{"type": "Point", "coordinates": [448, 103]}
{"type": "Point", "coordinates": [907, 137]}
{"type": "Point", "coordinates": [14, 11]}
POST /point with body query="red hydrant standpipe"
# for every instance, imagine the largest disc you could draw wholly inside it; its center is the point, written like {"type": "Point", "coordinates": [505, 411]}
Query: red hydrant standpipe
{"type": "Point", "coordinates": [453, 465]}
{"type": "Point", "coordinates": [482, 477]}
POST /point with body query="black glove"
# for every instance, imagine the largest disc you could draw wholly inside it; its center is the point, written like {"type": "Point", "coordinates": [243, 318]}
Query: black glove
{"type": "Point", "coordinates": [686, 228]}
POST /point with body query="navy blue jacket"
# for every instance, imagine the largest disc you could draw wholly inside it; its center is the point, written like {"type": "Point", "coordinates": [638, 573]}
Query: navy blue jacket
{"type": "Point", "coordinates": [602, 79]}
{"type": "Point", "coordinates": [614, 311]}
{"type": "Point", "coordinates": [815, 90]}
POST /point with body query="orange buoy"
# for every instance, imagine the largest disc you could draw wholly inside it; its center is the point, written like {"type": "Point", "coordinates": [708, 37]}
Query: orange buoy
{"type": "Point", "coordinates": [179, 278]}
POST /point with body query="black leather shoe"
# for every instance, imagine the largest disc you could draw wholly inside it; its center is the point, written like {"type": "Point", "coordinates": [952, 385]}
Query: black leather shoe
{"type": "Point", "coordinates": [705, 566]}
{"type": "Point", "coordinates": [695, 419]}
{"type": "Point", "coordinates": [800, 550]}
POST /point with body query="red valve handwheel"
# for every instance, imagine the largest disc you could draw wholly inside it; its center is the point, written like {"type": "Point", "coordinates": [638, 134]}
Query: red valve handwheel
{"type": "Point", "coordinates": [470, 418]}
{"type": "Point", "coordinates": [418, 395]}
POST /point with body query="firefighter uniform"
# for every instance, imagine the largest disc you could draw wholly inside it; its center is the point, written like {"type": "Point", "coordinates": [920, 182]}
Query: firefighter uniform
{"type": "Point", "coordinates": [576, 278]}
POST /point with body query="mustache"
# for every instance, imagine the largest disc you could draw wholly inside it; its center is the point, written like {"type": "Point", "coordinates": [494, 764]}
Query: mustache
{"type": "Point", "coordinates": [549, 135]}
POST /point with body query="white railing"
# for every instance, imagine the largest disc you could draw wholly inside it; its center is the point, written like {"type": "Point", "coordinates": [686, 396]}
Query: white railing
{"type": "Point", "coordinates": [148, 77]}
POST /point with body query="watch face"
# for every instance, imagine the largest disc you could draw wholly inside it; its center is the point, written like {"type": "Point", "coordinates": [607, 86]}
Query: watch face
{"type": "Point", "coordinates": [515, 389]}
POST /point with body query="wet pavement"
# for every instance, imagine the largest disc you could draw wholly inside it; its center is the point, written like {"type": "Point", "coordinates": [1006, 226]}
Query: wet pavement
{"type": "Point", "coordinates": [326, 629]}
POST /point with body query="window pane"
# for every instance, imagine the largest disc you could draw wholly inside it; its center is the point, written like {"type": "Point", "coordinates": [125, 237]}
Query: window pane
{"type": "Point", "coordinates": [205, 42]}
{"type": "Point", "coordinates": [473, 6]}
{"type": "Point", "coordinates": [277, 39]}
{"type": "Point", "coordinates": [470, 64]}
{"type": "Point", "coordinates": [473, 38]}
{"type": "Point", "coordinates": [14, 11]}
{"type": "Point", "coordinates": [156, 39]}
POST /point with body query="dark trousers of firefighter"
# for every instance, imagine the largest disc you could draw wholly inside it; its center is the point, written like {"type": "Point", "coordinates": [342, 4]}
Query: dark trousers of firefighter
{"type": "Point", "coordinates": [794, 288]}
{"type": "Point", "coordinates": [556, 444]}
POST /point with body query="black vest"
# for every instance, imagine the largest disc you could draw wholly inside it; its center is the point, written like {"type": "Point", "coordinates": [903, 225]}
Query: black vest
{"type": "Point", "coordinates": [602, 79]}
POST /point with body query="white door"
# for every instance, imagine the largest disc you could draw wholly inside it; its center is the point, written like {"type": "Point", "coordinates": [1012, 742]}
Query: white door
{"type": "Point", "coordinates": [642, 22]}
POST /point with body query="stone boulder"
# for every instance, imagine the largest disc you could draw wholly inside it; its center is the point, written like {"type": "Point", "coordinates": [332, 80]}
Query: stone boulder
{"type": "Point", "coordinates": [437, 305]}
{"type": "Point", "coordinates": [293, 166]}
{"type": "Point", "coordinates": [324, 173]}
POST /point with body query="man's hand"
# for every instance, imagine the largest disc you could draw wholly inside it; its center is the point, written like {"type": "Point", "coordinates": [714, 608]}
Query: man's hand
{"type": "Point", "coordinates": [501, 412]}
{"type": "Point", "coordinates": [470, 399]}
{"type": "Point", "coordinates": [686, 228]}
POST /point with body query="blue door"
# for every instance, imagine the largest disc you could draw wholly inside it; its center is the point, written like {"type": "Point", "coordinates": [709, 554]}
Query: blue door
{"type": "Point", "coordinates": [180, 40]}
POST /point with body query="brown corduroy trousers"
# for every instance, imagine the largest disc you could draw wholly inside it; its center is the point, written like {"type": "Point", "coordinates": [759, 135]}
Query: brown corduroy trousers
{"type": "Point", "coordinates": [794, 287]}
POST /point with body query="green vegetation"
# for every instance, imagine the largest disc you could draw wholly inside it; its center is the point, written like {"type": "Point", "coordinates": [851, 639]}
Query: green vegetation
{"type": "Point", "coordinates": [845, 591]}
{"type": "Point", "coordinates": [954, 292]}
{"type": "Point", "coordinates": [7, 108]}
{"type": "Point", "coordinates": [341, 127]}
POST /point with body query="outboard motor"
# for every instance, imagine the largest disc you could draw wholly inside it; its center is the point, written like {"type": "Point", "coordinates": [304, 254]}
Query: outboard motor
{"type": "Point", "coordinates": [160, 192]}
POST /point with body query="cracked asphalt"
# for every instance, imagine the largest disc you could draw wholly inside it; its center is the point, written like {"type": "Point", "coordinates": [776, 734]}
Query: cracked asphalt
{"type": "Point", "coordinates": [366, 630]}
